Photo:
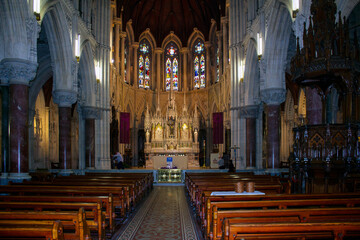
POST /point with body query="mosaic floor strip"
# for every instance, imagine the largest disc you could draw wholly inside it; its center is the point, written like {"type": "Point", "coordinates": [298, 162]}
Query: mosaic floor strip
{"type": "Point", "coordinates": [164, 215]}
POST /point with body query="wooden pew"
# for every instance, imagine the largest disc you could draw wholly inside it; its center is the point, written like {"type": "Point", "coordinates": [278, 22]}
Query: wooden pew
{"type": "Point", "coordinates": [105, 200]}
{"type": "Point", "coordinates": [52, 231]}
{"type": "Point", "coordinates": [117, 192]}
{"type": "Point", "coordinates": [75, 221]}
{"type": "Point", "coordinates": [280, 215]}
{"type": "Point", "coordinates": [93, 210]}
{"type": "Point", "coordinates": [279, 204]}
{"type": "Point", "coordinates": [335, 230]}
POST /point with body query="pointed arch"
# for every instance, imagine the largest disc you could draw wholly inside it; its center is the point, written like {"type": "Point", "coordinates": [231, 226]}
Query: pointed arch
{"type": "Point", "coordinates": [276, 46]}
{"type": "Point", "coordinates": [251, 75]}
{"type": "Point", "coordinates": [60, 46]}
{"type": "Point", "coordinates": [87, 75]}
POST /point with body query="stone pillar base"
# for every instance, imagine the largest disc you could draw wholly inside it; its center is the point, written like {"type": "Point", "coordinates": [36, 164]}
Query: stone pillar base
{"type": "Point", "coordinates": [19, 177]}
{"type": "Point", "coordinates": [65, 172]}
{"type": "Point", "coordinates": [104, 164]}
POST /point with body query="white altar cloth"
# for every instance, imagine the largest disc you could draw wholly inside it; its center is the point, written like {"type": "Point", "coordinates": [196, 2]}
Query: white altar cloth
{"type": "Point", "coordinates": [236, 193]}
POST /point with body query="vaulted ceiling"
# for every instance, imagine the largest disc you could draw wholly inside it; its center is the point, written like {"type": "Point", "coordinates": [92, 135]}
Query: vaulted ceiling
{"type": "Point", "coordinates": [179, 16]}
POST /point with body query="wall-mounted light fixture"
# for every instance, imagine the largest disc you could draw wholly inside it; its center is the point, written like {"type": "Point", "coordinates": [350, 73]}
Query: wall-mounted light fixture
{"type": "Point", "coordinates": [259, 45]}
{"type": "Point", "coordinates": [97, 72]}
{"type": "Point", "coordinates": [242, 70]}
{"type": "Point", "coordinates": [36, 8]}
{"type": "Point", "coordinates": [295, 7]}
{"type": "Point", "coordinates": [77, 48]}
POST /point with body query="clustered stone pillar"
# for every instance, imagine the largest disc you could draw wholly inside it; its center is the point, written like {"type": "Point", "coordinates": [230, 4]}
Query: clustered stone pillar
{"type": "Point", "coordinates": [158, 52]}
{"type": "Point", "coordinates": [64, 99]}
{"type": "Point", "coordinates": [185, 52]}
{"type": "Point", "coordinates": [122, 56]}
{"type": "Point", "coordinates": [219, 43]}
{"type": "Point", "coordinates": [90, 114]}
{"type": "Point", "coordinates": [209, 80]}
{"type": "Point", "coordinates": [273, 98]}
{"type": "Point", "coordinates": [135, 49]}
{"type": "Point", "coordinates": [16, 73]}
{"type": "Point", "coordinates": [225, 43]}
{"type": "Point", "coordinates": [117, 23]}
{"type": "Point", "coordinates": [5, 129]}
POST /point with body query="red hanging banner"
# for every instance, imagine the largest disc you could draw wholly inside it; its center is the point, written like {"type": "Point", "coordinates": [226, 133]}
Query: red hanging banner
{"type": "Point", "coordinates": [124, 127]}
{"type": "Point", "coordinates": [218, 128]}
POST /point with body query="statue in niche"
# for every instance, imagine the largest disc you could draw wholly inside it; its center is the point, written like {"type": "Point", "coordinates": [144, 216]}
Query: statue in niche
{"type": "Point", "coordinates": [171, 124]}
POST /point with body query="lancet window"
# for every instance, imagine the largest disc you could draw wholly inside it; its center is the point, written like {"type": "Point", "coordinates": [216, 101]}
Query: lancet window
{"type": "Point", "coordinates": [126, 59]}
{"type": "Point", "coordinates": [217, 64]}
{"type": "Point", "coordinates": [144, 64]}
{"type": "Point", "coordinates": [171, 66]}
{"type": "Point", "coordinates": [199, 65]}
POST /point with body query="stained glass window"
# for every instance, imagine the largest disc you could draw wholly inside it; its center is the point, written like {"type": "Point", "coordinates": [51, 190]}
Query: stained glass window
{"type": "Point", "coordinates": [126, 49]}
{"type": "Point", "coordinates": [199, 65]}
{"type": "Point", "coordinates": [141, 71]}
{"type": "Point", "coordinates": [168, 74]}
{"type": "Point", "coordinates": [144, 64]}
{"type": "Point", "coordinates": [172, 66]}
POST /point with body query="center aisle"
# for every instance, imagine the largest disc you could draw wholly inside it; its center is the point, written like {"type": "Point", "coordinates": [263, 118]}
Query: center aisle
{"type": "Point", "coordinates": [164, 215]}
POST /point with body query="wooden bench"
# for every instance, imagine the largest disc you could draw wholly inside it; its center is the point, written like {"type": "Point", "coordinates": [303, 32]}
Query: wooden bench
{"type": "Point", "coordinates": [117, 192]}
{"type": "Point", "coordinates": [52, 231]}
{"type": "Point", "coordinates": [280, 215]}
{"type": "Point", "coordinates": [105, 200]}
{"type": "Point", "coordinates": [93, 211]}
{"type": "Point", "coordinates": [278, 204]}
{"type": "Point", "coordinates": [335, 230]}
{"type": "Point", "coordinates": [75, 221]}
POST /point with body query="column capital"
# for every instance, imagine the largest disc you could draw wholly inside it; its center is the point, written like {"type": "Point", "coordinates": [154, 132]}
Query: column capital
{"type": "Point", "coordinates": [224, 20]}
{"type": "Point", "coordinates": [90, 112]}
{"type": "Point", "coordinates": [207, 44]}
{"type": "Point", "coordinates": [122, 35]}
{"type": "Point", "coordinates": [17, 71]}
{"type": "Point", "coordinates": [117, 21]}
{"type": "Point", "coordinates": [250, 111]}
{"type": "Point", "coordinates": [135, 45]}
{"type": "Point", "coordinates": [64, 98]}
{"type": "Point", "coordinates": [184, 50]}
{"type": "Point", "coordinates": [273, 96]}
{"type": "Point", "coordinates": [159, 50]}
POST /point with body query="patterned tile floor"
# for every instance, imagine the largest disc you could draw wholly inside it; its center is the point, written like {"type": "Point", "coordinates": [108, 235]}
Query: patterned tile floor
{"type": "Point", "coordinates": [164, 215]}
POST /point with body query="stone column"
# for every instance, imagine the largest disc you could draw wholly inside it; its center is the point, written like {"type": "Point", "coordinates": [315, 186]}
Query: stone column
{"type": "Point", "coordinates": [122, 56]}
{"type": "Point", "coordinates": [5, 130]}
{"type": "Point", "coordinates": [185, 52]}
{"type": "Point", "coordinates": [17, 73]}
{"type": "Point", "coordinates": [158, 52]}
{"type": "Point", "coordinates": [135, 49]}
{"type": "Point", "coordinates": [220, 47]}
{"type": "Point", "coordinates": [224, 21]}
{"type": "Point", "coordinates": [273, 98]}
{"type": "Point", "coordinates": [208, 65]}
{"type": "Point", "coordinates": [64, 99]}
{"type": "Point", "coordinates": [117, 22]}
{"type": "Point", "coordinates": [250, 113]}
{"type": "Point", "coordinates": [90, 114]}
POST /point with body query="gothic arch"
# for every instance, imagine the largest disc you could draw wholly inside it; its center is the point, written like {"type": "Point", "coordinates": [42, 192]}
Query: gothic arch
{"type": "Point", "coordinates": [87, 76]}
{"type": "Point", "coordinates": [251, 75]}
{"type": "Point", "coordinates": [150, 38]}
{"type": "Point", "coordinates": [346, 6]}
{"type": "Point", "coordinates": [276, 46]}
{"type": "Point", "coordinates": [62, 57]}
{"type": "Point", "coordinates": [171, 38]}
{"type": "Point", "coordinates": [130, 32]}
{"type": "Point", "coordinates": [196, 34]}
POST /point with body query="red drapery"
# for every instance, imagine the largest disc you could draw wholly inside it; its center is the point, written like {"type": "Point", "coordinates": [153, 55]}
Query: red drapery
{"type": "Point", "coordinates": [124, 127]}
{"type": "Point", "coordinates": [218, 128]}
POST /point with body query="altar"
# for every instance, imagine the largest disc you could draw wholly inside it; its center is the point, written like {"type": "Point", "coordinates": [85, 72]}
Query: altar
{"type": "Point", "coordinates": [174, 134]}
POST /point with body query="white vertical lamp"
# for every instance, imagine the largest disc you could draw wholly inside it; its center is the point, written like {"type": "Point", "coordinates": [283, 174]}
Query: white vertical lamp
{"type": "Point", "coordinates": [36, 8]}
{"type": "Point", "coordinates": [77, 48]}
{"type": "Point", "coordinates": [97, 72]}
{"type": "Point", "coordinates": [259, 45]}
{"type": "Point", "coordinates": [242, 70]}
{"type": "Point", "coordinates": [295, 7]}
